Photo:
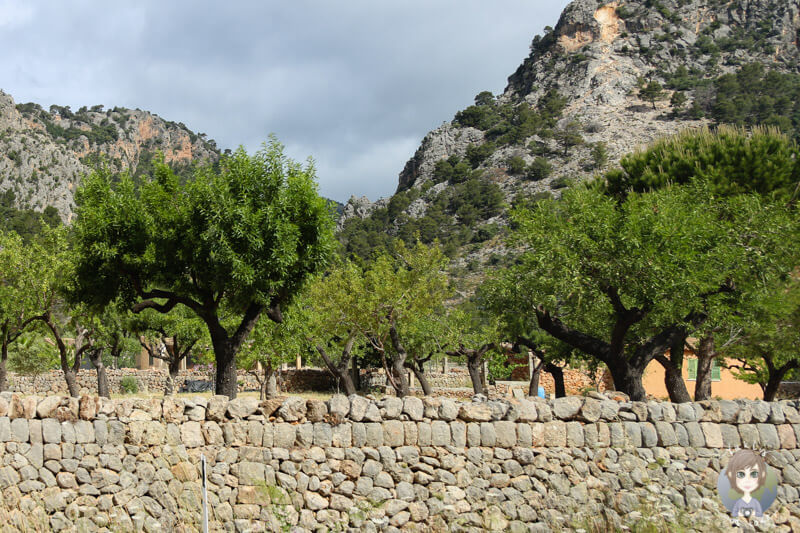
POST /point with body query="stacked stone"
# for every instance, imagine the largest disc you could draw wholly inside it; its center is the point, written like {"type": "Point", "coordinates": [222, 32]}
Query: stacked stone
{"type": "Point", "coordinates": [367, 465]}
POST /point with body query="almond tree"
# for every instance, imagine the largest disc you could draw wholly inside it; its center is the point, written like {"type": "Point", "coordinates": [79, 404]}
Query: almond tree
{"type": "Point", "coordinates": [619, 281]}
{"type": "Point", "coordinates": [170, 337]}
{"type": "Point", "coordinates": [18, 284]}
{"type": "Point", "coordinates": [238, 240]}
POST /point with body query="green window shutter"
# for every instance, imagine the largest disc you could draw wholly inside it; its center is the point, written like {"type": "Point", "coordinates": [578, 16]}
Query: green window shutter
{"type": "Point", "coordinates": [714, 371]}
{"type": "Point", "coordinates": [692, 368]}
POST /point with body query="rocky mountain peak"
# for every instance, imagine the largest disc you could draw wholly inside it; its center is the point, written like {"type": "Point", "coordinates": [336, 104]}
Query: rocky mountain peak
{"type": "Point", "coordinates": [45, 153]}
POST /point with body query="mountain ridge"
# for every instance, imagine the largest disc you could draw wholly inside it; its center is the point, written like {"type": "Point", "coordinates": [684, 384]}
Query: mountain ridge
{"type": "Point", "coordinates": [600, 58]}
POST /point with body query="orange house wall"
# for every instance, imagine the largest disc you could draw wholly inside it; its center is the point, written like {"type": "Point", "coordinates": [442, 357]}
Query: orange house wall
{"type": "Point", "coordinates": [727, 388]}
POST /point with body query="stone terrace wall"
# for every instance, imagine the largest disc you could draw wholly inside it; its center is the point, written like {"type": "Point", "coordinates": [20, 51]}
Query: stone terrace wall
{"type": "Point", "coordinates": [364, 465]}
{"type": "Point", "coordinates": [153, 380]}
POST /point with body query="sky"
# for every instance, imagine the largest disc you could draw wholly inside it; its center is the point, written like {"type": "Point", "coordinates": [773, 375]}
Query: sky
{"type": "Point", "coordinates": [354, 84]}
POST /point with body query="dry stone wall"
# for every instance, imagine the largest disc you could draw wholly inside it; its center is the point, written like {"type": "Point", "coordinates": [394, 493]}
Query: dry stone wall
{"type": "Point", "coordinates": [359, 464]}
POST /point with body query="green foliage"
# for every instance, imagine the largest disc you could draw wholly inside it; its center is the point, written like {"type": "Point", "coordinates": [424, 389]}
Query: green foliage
{"type": "Point", "coordinates": [599, 155]}
{"type": "Point", "coordinates": [477, 154]}
{"type": "Point", "coordinates": [511, 124]}
{"type": "Point", "coordinates": [129, 385]}
{"type": "Point", "coordinates": [587, 242]}
{"type": "Point", "coordinates": [228, 244]}
{"type": "Point", "coordinates": [25, 222]}
{"type": "Point", "coordinates": [730, 160]}
{"type": "Point", "coordinates": [515, 165]}
{"type": "Point", "coordinates": [449, 218]}
{"type": "Point", "coordinates": [757, 96]}
{"type": "Point", "coordinates": [539, 169]}
{"type": "Point", "coordinates": [251, 232]}
{"type": "Point", "coordinates": [652, 92]}
{"type": "Point", "coordinates": [569, 135]}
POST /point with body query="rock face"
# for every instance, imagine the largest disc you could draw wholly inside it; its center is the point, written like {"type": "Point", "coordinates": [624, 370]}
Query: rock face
{"type": "Point", "coordinates": [432, 465]}
{"type": "Point", "coordinates": [44, 155]}
{"type": "Point", "coordinates": [596, 57]}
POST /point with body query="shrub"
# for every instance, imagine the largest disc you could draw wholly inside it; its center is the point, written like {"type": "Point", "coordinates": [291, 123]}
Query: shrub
{"type": "Point", "coordinates": [539, 169]}
{"type": "Point", "coordinates": [129, 385]}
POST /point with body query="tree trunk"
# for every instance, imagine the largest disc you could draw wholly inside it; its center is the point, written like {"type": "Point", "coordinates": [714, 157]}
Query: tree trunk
{"type": "Point", "coordinates": [772, 386]}
{"type": "Point", "coordinates": [173, 369]}
{"type": "Point", "coordinates": [475, 367]}
{"type": "Point", "coordinates": [356, 376]}
{"type": "Point", "coordinates": [96, 357]}
{"type": "Point", "coordinates": [72, 382]}
{"type": "Point", "coordinates": [399, 371]}
{"type": "Point", "coordinates": [558, 378]}
{"type": "Point", "coordinates": [676, 387]}
{"type": "Point", "coordinates": [533, 386]}
{"type": "Point", "coordinates": [225, 382]}
{"type": "Point", "coordinates": [3, 371]}
{"type": "Point", "coordinates": [673, 374]}
{"type": "Point", "coordinates": [342, 370]}
{"type": "Point", "coordinates": [705, 358]}
{"type": "Point", "coordinates": [423, 380]}
{"type": "Point", "coordinates": [628, 379]}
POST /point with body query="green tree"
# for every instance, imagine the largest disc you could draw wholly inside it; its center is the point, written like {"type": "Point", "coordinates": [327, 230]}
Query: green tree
{"type": "Point", "coordinates": [599, 279]}
{"type": "Point", "coordinates": [274, 343]}
{"type": "Point", "coordinates": [767, 350]}
{"type": "Point", "coordinates": [336, 321]}
{"type": "Point", "coordinates": [402, 290]}
{"type": "Point", "coordinates": [19, 281]}
{"type": "Point", "coordinates": [170, 337]}
{"type": "Point", "coordinates": [732, 160]}
{"type": "Point", "coordinates": [569, 135]}
{"type": "Point", "coordinates": [473, 338]}
{"type": "Point", "coordinates": [238, 241]}
{"type": "Point", "coordinates": [652, 92]}
{"type": "Point", "coordinates": [678, 101]}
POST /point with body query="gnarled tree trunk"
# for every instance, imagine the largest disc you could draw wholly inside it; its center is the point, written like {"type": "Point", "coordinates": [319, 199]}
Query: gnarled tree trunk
{"type": "Point", "coordinates": [705, 358]}
{"type": "Point", "coordinates": [558, 379]}
{"type": "Point", "coordinates": [96, 357]}
{"type": "Point", "coordinates": [341, 370]}
{"type": "Point", "coordinates": [673, 373]}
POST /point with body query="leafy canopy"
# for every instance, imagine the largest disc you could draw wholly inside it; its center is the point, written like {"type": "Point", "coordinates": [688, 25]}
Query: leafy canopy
{"type": "Point", "coordinates": [250, 233]}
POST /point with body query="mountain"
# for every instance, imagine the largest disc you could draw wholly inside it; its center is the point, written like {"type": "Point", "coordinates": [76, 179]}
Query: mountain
{"type": "Point", "coordinates": [610, 77]}
{"type": "Point", "coordinates": [44, 153]}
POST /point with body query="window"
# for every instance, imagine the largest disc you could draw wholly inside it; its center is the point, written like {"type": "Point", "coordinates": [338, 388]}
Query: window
{"type": "Point", "coordinates": [692, 368]}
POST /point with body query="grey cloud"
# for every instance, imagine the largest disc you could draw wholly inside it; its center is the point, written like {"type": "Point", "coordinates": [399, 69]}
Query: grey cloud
{"type": "Point", "coordinates": [357, 84]}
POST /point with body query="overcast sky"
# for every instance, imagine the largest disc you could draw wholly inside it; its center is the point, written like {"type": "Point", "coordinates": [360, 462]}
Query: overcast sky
{"type": "Point", "coordinates": [354, 84]}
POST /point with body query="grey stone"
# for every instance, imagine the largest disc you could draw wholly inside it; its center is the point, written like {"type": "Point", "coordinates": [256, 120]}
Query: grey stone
{"type": "Point", "coordinates": [488, 435]}
{"type": "Point", "coordinates": [575, 437]}
{"type": "Point", "coordinates": [51, 430]}
{"type": "Point", "coordinates": [728, 411]}
{"type": "Point", "coordinates": [448, 410]}
{"type": "Point", "coordinates": [526, 411]}
{"type": "Point", "coordinates": [440, 433]}
{"type": "Point", "coordinates": [475, 412]}
{"type": "Point", "coordinates": [323, 434]}
{"type": "Point", "coordinates": [413, 407]}
{"type": "Point", "coordinates": [761, 410]}
{"type": "Point", "coordinates": [769, 436]}
{"type": "Point", "coordinates": [339, 406]}
{"type": "Point", "coordinates": [242, 406]}
{"type": "Point", "coordinates": [283, 435]}
{"type": "Point", "coordinates": [393, 407]}
{"type": "Point", "coordinates": [292, 409]}
{"type": "Point", "coordinates": [567, 408]}
{"type": "Point", "coordinates": [374, 434]}
{"type": "Point", "coordinates": [215, 408]}
{"type": "Point", "coordinates": [19, 430]}
{"type": "Point", "coordinates": [649, 435]}
{"type": "Point", "coordinates": [666, 434]}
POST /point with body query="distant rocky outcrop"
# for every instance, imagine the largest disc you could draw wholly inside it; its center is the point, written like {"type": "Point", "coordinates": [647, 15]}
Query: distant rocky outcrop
{"type": "Point", "coordinates": [597, 58]}
{"type": "Point", "coordinates": [45, 153]}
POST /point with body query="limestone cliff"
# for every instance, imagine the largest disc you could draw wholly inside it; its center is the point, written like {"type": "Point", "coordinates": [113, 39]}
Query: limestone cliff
{"type": "Point", "coordinates": [44, 154]}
